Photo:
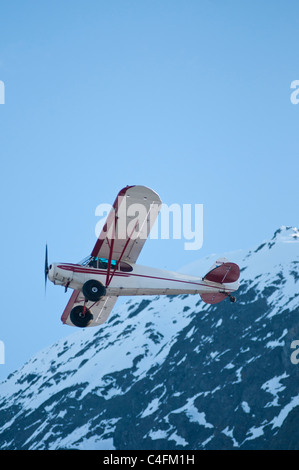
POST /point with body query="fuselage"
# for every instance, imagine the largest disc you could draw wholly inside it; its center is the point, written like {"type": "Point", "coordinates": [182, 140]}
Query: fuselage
{"type": "Point", "coordinates": [140, 280]}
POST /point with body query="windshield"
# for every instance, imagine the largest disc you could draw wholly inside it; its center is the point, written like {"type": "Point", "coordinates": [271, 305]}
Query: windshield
{"type": "Point", "coordinates": [84, 261]}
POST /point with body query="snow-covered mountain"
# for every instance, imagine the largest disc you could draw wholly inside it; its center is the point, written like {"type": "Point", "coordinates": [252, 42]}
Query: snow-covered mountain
{"type": "Point", "coordinates": [172, 372]}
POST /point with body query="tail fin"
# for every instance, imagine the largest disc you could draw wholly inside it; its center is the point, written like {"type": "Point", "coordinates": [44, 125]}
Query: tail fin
{"type": "Point", "coordinates": [223, 272]}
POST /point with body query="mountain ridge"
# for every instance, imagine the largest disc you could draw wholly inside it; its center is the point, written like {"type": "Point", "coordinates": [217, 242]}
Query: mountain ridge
{"type": "Point", "coordinates": [171, 372]}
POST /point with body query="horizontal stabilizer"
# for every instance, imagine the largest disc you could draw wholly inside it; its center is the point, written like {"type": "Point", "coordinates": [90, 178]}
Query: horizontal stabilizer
{"type": "Point", "coordinates": [213, 298]}
{"type": "Point", "coordinates": [223, 271]}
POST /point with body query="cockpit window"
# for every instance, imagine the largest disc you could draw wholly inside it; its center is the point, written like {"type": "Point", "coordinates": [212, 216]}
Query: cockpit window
{"type": "Point", "coordinates": [102, 263]}
{"type": "Point", "coordinates": [126, 267]}
{"type": "Point", "coordinates": [92, 263]}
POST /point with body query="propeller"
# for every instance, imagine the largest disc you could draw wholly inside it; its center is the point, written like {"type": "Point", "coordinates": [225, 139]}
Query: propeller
{"type": "Point", "coordinates": [46, 267]}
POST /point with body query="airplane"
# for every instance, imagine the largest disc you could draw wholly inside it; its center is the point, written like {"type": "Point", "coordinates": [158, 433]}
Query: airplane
{"type": "Point", "coordinates": [111, 271]}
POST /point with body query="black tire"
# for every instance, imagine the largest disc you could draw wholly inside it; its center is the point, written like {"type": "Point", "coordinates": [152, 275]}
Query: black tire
{"type": "Point", "coordinates": [93, 290]}
{"type": "Point", "coordinates": [80, 319]}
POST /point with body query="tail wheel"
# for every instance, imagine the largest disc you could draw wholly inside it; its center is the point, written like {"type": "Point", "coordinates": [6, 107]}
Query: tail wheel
{"type": "Point", "coordinates": [93, 290]}
{"type": "Point", "coordinates": [80, 316]}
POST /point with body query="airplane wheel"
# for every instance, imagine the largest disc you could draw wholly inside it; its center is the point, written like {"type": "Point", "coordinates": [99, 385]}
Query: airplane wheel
{"type": "Point", "coordinates": [80, 319]}
{"type": "Point", "coordinates": [93, 290]}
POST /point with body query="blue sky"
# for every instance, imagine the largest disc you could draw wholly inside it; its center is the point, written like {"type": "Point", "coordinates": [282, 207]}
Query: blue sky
{"type": "Point", "coordinates": [190, 98]}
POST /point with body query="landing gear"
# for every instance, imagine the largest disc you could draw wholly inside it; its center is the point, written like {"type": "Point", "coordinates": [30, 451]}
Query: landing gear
{"type": "Point", "coordinates": [93, 290]}
{"type": "Point", "coordinates": [80, 316]}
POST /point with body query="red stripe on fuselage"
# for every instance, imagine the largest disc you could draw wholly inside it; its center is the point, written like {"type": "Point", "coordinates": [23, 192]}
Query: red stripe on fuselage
{"type": "Point", "coordinates": [80, 269]}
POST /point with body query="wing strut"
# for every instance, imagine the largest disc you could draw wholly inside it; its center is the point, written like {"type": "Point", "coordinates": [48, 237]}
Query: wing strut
{"type": "Point", "coordinates": [108, 280]}
{"type": "Point", "coordinates": [111, 244]}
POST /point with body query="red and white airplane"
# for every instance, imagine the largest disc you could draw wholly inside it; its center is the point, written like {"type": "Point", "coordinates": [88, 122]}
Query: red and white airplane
{"type": "Point", "coordinates": [111, 270]}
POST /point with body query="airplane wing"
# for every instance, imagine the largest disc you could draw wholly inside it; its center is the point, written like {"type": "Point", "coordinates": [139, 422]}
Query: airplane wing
{"type": "Point", "coordinates": [100, 310]}
{"type": "Point", "coordinates": [126, 229]}
{"type": "Point", "coordinates": [128, 224]}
